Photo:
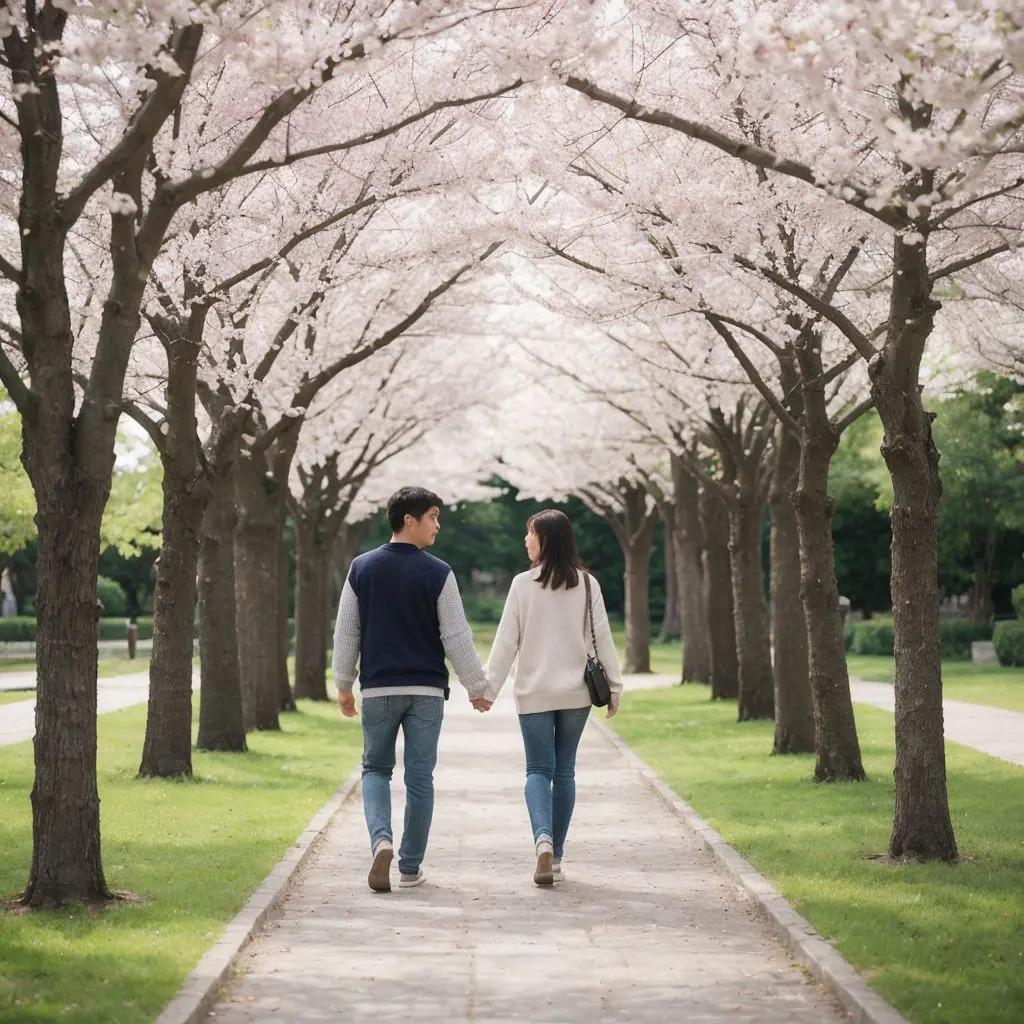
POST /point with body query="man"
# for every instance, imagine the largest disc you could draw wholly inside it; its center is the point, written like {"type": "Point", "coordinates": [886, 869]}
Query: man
{"type": "Point", "coordinates": [400, 614]}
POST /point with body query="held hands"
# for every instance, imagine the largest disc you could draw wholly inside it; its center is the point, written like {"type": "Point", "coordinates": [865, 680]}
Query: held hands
{"type": "Point", "coordinates": [347, 703]}
{"type": "Point", "coordinates": [613, 706]}
{"type": "Point", "coordinates": [481, 703]}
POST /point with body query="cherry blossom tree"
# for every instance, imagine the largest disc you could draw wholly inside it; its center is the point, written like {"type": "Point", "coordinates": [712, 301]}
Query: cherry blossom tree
{"type": "Point", "coordinates": [915, 122]}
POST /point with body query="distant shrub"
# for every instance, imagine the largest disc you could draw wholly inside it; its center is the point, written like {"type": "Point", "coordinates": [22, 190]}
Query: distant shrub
{"type": "Point", "coordinates": [848, 634]}
{"type": "Point", "coordinates": [1017, 596]}
{"type": "Point", "coordinates": [112, 598]}
{"type": "Point", "coordinates": [958, 635]}
{"type": "Point", "coordinates": [17, 629]}
{"type": "Point", "coordinates": [873, 636]}
{"type": "Point", "coordinates": [1008, 640]}
{"type": "Point", "coordinates": [483, 609]}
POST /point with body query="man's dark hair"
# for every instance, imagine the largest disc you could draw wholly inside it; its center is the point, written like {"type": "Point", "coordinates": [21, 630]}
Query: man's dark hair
{"type": "Point", "coordinates": [559, 561]}
{"type": "Point", "coordinates": [410, 501]}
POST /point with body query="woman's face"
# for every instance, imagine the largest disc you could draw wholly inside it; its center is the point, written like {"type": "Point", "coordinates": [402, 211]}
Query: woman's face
{"type": "Point", "coordinates": [532, 544]}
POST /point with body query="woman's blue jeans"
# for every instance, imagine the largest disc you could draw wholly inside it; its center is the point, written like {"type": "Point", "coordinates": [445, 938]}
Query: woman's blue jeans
{"type": "Point", "coordinates": [551, 739]}
{"type": "Point", "coordinates": [420, 719]}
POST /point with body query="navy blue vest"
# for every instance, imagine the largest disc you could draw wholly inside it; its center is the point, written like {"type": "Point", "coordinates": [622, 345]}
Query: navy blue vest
{"type": "Point", "coordinates": [397, 586]}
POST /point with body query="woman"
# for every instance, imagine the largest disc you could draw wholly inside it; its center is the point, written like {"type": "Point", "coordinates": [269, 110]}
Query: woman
{"type": "Point", "coordinates": [545, 629]}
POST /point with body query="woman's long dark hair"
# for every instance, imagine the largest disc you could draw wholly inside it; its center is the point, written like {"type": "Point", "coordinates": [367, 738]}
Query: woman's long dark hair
{"type": "Point", "coordinates": [559, 560]}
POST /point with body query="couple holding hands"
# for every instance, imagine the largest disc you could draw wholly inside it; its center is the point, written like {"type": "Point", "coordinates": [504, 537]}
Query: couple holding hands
{"type": "Point", "coordinates": [399, 617]}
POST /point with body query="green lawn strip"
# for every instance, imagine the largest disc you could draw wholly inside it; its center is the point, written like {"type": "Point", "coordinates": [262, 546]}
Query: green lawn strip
{"type": "Point", "coordinates": [993, 685]}
{"type": "Point", "coordinates": [107, 666]}
{"type": "Point", "coordinates": [945, 945]}
{"type": "Point", "coordinates": [14, 696]}
{"type": "Point", "coordinates": [194, 852]}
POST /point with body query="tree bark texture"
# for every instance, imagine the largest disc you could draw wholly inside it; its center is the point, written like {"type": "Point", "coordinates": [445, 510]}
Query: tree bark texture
{"type": "Point", "coordinates": [257, 591]}
{"type": "Point", "coordinates": [670, 623]}
{"type": "Point", "coordinates": [717, 568]}
{"type": "Point", "coordinates": [837, 749]}
{"type": "Point", "coordinates": [312, 611]}
{"type": "Point", "coordinates": [794, 706]}
{"type": "Point", "coordinates": [922, 829]}
{"type": "Point", "coordinates": [284, 685]}
{"type": "Point", "coordinates": [66, 862]}
{"type": "Point", "coordinates": [688, 537]}
{"type": "Point", "coordinates": [221, 722]}
{"type": "Point", "coordinates": [756, 696]}
{"type": "Point", "coordinates": [167, 750]}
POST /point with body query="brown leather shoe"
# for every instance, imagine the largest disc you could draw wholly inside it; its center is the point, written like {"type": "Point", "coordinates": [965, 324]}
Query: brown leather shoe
{"type": "Point", "coordinates": [379, 878]}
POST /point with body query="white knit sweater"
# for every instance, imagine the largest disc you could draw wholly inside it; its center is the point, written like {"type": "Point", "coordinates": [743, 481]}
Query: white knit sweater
{"type": "Point", "coordinates": [542, 631]}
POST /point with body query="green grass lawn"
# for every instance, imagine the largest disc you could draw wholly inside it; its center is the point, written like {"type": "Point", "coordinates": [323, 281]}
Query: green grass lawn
{"type": "Point", "coordinates": [194, 852]}
{"type": "Point", "coordinates": [13, 697]}
{"type": "Point", "coordinates": [945, 945]}
{"type": "Point", "coordinates": [107, 666]}
{"type": "Point", "coordinates": [993, 685]}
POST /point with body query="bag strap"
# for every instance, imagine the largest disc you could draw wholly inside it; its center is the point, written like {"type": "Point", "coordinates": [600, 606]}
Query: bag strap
{"type": "Point", "coordinates": [589, 613]}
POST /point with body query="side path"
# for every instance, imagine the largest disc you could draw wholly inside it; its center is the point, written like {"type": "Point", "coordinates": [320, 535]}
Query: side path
{"type": "Point", "coordinates": [644, 929]}
{"type": "Point", "coordinates": [18, 720]}
{"type": "Point", "coordinates": [993, 731]}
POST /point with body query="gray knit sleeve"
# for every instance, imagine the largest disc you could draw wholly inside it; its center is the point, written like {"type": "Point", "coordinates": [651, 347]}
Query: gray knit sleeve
{"type": "Point", "coordinates": [346, 639]}
{"type": "Point", "coordinates": [457, 638]}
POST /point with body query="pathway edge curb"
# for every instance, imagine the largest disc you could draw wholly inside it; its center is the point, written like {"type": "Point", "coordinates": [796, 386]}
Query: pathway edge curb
{"type": "Point", "coordinates": [806, 945]}
{"type": "Point", "coordinates": [201, 989]}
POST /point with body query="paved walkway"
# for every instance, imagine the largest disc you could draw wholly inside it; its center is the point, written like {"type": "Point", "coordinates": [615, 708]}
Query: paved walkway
{"type": "Point", "coordinates": [994, 731]}
{"type": "Point", "coordinates": [18, 720]}
{"type": "Point", "coordinates": [644, 929]}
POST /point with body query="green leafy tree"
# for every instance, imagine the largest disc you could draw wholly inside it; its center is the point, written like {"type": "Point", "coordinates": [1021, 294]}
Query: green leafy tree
{"type": "Point", "coordinates": [17, 503]}
{"type": "Point", "coordinates": [978, 433]}
{"type": "Point", "coordinates": [131, 520]}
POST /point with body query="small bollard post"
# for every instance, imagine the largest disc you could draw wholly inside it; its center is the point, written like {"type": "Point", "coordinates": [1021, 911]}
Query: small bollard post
{"type": "Point", "coordinates": [133, 636]}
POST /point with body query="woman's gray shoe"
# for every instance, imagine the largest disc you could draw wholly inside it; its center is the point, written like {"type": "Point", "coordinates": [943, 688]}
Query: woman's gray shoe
{"type": "Point", "coordinates": [411, 881]}
{"type": "Point", "coordinates": [544, 873]}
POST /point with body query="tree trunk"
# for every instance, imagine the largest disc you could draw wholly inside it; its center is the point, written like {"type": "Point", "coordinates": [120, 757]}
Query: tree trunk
{"type": "Point", "coordinates": [688, 536]}
{"type": "Point", "coordinates": [746, 524]}
{"type": "Point", "coordinates": [921, 825]}
{"type": "Point", "coordinates": [221, 724]}
{"type": "Point", "coordinates": [257, 592]}
{"type": "Point", "coordinates": [670, 623]}
{"type": "Point", "coordinates": [66, 862]}
{"type": "Point", "coordinates": [794, 708]}
{"type": "Point", "coordinates": [346, 546]}
{"type": "Point", "coordinates": [312, 595]}
{"type": "Point", "coordinates": [836, 745]}
{"type": "Point", "coordinates": [725, 673]}
{"type": "Point", "coordinates": [284, 685]}
{"type": "Point", "coordinates": [167, 751]}
{"type": "Point", "coordinates": [638, 607]}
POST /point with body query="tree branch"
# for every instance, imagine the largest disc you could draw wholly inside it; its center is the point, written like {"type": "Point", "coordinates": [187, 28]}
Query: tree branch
{"type": "Point", "coordinates": [853, 415]}
{"type": "Point", "coordinates": [23, 398]}
{"type": "Point", "coordinates": [969, 261]}
{"type": "Point", "coordinates": [10, 271]}
{"type": "Point", "coordinates": [826, 309]}
{"type": "Point", "coordinates": [755, 378]}
{"type": "Point", "coordinates": [750, 154]}
{"type": "Point", "coordinates": [143, 128]}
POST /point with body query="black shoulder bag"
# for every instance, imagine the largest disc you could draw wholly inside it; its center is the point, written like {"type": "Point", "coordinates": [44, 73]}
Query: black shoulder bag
{"type": "Point", "coordinates": [594, 674]}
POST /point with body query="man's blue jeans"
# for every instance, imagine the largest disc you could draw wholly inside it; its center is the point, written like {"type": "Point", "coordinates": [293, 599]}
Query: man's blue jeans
{"type": "Point", "coordinates": [551, 739]}
{"type": "Point", "coordinates": [420, 720]}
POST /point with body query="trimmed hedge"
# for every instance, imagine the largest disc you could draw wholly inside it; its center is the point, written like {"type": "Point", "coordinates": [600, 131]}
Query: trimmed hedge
{"type": "Point", "coordinates": [22, 629]}
{"type": "Point", "coordinates": [848, 634]}
{"type": "Point", "coordinates": [1017, 596]}
{"type": "Point", "coordinates": [875, 637]}
{"type": "Point", "coordinates": [1008, 639]}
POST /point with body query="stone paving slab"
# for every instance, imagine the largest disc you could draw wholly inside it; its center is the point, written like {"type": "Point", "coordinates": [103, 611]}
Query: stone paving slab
{"type": "Point", "coordinates": [646, 927]}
